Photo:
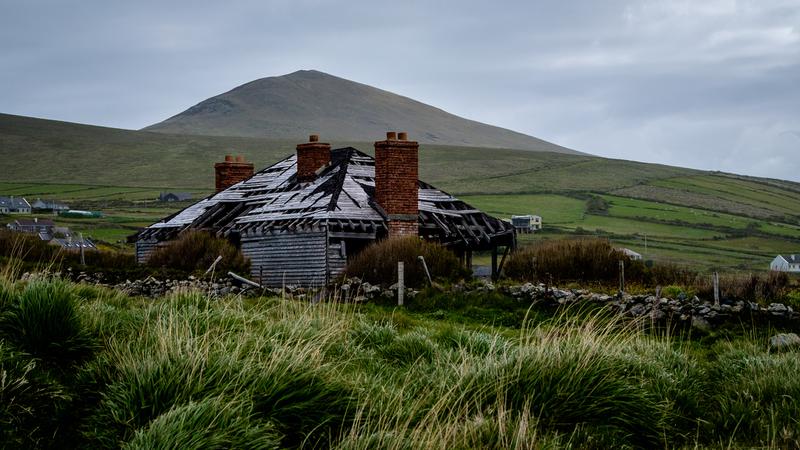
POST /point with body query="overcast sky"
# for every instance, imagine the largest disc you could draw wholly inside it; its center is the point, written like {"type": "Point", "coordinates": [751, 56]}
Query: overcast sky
{"type": "Point", "coordinates": [697, 83]}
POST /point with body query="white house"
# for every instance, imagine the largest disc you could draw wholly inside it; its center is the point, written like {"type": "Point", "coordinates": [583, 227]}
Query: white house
{"type": "Point", "coordinates": [527, 224]}
{"type": "Point", "coordinates": [631, 254]}
{"type": "Point", "coordinates": [786, 263]}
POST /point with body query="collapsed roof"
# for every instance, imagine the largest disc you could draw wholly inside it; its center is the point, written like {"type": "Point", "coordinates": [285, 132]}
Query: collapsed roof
{"type": "Point", "coordinates": [341, 198]}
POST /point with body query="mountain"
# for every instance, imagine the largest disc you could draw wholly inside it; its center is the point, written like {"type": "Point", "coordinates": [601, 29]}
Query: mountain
{"type": "Point", "coordinates": [310, 102]}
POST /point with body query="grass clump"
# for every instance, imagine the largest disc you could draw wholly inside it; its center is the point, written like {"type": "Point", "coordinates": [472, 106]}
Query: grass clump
{"type": "Point", "coordinates": [31, 401]}
{"type": "Point", "coordinates": [44, 320]}
{"type": "Point", "coordinates": [210, 423]}
{"type": "Point", "coordinates": [377, 263]}
{"type": "Point", "coordinates": [197, 250]}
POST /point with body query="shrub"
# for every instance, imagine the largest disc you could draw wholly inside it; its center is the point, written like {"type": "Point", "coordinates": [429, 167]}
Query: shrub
{"type": "Point", "coordinates": [571, 259]}
{"type": "Point", "coordinates": [197, 250]}
{"type": "Point", "coordinates": [44, 321]}
{"type": "Point", "coordinates": [206, 424]}
{"type": "Point", "coordinates": [377, 263]}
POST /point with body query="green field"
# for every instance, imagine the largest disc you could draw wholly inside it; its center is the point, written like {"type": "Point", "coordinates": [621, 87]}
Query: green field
{"type": "Point", "coordinates": [705, 219]}
{"type": "Point", "coordinates": [690, 236]}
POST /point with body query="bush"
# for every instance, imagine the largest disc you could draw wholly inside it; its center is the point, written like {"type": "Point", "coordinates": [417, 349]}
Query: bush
{"type": "Point", "coordinates": [572, 259]}
{"type": "Point", "coordinates": [196, 251]}
{"type": "Point", "coordinates": [44, 321]}
{"type": "Point", "coordinates": [377, 264]}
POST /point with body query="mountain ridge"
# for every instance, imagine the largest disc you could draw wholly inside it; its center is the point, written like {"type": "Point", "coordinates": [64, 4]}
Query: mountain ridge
{"type": "Point", "coordinates": [312, 102]}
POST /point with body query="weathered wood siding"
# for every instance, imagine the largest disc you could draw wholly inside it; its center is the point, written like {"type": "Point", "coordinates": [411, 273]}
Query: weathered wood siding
{"type": "Point", "coordinates": [144, 248]}
{"type": "Point", "coordinates": [337, 258]}
{"type": "Point", "coordinates": [289, 257]}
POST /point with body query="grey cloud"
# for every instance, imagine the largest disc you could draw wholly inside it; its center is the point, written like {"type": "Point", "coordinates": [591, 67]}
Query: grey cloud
{"type": "Point", "coordinates": [707, 84]}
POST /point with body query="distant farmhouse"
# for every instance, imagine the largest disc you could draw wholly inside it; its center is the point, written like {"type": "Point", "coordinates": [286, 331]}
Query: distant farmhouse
{"type": "Point", "coordinates": [174, 196]}
{"type": "Point", "coordinates": [32, 226]}
{"type": "Point", "coordinates": [527, 224]}
{"type": "Point", "coordinates": [786, 263]}
{"type": "Point", "coordinates": [48, 206]}
{"type": "Point", "coordinates": [632, 255]}
{"type": "Point", "coordinates": [299, 220]}
{"type": "Point", "coordinates": [14, 205]}
{"type": "Point", "coordinates": [46, 230]}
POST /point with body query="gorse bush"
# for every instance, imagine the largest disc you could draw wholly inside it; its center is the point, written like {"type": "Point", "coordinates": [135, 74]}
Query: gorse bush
{"type": "Point", "coordinates": [377, 263]}
{"type": "Point", "coordinates": [196, 251]}
{"type": "Point", "coordinates": [44, 320]}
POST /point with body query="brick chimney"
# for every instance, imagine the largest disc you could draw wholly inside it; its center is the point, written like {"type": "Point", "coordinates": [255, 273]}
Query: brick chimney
{"type": "Point", "coordinates": [312, 156]}
{"type": "Point", "coordinates": [232, 171]}
{"type": "Point", "coordinates": [396, 182]}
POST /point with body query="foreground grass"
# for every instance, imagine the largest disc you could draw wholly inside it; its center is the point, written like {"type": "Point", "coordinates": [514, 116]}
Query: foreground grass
{"type": "Point", "coordinates": [187, 371]}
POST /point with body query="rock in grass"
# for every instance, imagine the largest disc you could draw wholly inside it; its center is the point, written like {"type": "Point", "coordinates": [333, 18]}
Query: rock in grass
{"type": "Point", "coordinates": [784, 341]}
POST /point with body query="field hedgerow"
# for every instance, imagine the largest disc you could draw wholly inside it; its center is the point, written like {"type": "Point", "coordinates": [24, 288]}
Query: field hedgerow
{"type": "Point", "coordinates": [190, 371]}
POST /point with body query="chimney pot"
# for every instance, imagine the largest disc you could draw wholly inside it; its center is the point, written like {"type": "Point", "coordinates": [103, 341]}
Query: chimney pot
{"type": "Point", "coordinates": [397, 183]}
{"type": "Point", "coordinates": [402, 136]}
{"type": "Point", "coordinates": [232, 171]}
{"type": "Point", "coordinates": [311, 157]}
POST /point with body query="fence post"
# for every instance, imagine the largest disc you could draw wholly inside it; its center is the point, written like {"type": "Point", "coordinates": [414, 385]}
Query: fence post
{"type": "Point", "coordinates": [658, 292]}
{"type": "Point", "coordinates": [83, 257]}
{"type": "Point", "coordinates": [621, 276]}
{"type": "Point", "coordinates": [716, 288]}
{"type": "Point", "coordinates": [401, 283]}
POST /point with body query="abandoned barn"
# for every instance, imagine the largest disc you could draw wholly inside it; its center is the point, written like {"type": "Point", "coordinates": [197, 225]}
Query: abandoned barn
{"type": "Point", "coordinates": [300, 219]}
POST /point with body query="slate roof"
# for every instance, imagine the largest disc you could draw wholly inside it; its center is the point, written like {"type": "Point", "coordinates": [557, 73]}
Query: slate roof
{"type": "Point", "coordinates": [14, 202]}
{"type": "Point", "coordinates": [35, 223]}
{"type": "Point", "coordinates": [791, 259]}
{"type": "Point", "coordinates": [341, 198]}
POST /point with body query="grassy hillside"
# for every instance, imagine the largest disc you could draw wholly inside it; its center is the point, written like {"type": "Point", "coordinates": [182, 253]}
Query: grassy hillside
{"type": "Point", "coordinates": [307, 101]}
{"type": "Point", "coordinates": [189, 371]}
{"type": "Point", "coordinates": [706, 219]}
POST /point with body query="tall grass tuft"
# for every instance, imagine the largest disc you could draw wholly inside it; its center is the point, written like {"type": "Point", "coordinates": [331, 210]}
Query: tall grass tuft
{"type": "Point", "coordinates": [31, 402]}
{"type": "Point", "coordinates": [210, 423]}
{"type": "Point", "coordinates": [569, 259]}
{"type": "Point", "coordinates": [197, 250]}
{"type": "Point", "coordinates": [377, 263]}
{"type": "Point", "coordinates": [44, 320]}
{"type": "Point", "coordinates": [756, 396]}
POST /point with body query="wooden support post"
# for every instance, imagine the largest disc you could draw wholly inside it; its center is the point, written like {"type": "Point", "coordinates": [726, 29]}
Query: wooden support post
{"type": "Point", "coordinates": [716, 288]}
{"type": "Point", "coordinates": [658, 292]}
{"type": "Point", "coordinates": [83, 257]}
{"type": "Point", "coordinates": [469, 259]}
{"type": "Point", "coordinates": [401, 283]}
{"type": "Point", "coordinates": [494, 263]}
{"type": "Point", "coordinates": [621, 276]}
{"type": "Point", "coordinates": [502, 261]}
